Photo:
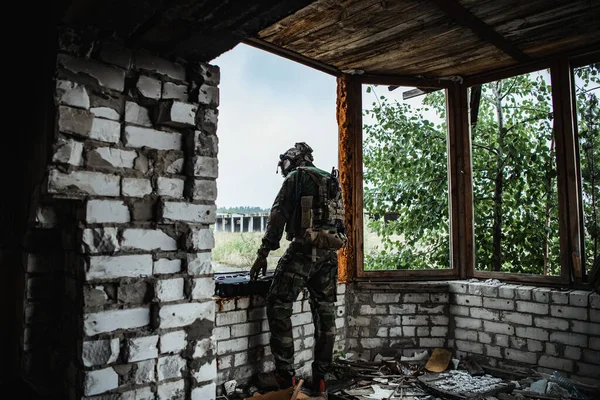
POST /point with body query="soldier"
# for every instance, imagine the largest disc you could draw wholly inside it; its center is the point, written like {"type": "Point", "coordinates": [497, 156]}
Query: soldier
{"type": "Point", "coordinates": [309, 207]}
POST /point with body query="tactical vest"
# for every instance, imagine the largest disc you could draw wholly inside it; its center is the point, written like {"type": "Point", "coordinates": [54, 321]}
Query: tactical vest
{"type": "Point", "coordinates": [320, 217]}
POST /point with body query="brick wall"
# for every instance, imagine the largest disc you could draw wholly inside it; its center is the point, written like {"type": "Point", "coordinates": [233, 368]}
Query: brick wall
{"type": "Point", "coordinates": [548, 329]}
{"type": "Point", "coordinates": [242, 336]}
{"type": "Point", "coordinates": [124, 212]}
{"type": "Point", "coordinates": [391, 319]}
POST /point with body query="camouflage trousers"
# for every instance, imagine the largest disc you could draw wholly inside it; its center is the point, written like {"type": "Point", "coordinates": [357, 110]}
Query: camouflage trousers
{"type": "Point", "coordinates": [297, 270]}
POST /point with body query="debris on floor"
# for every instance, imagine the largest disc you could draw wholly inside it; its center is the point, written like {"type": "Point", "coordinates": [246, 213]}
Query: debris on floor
{"type": "Point", "coordinates": [425, 376]}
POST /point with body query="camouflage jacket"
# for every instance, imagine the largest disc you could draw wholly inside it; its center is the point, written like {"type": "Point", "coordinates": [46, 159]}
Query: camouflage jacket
{"type": "Point", "coordinates": [286, 207]}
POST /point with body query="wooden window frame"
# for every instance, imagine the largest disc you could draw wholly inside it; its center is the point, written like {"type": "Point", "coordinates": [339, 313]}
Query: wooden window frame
{"type": "Point", "coordinates": [460, 181]}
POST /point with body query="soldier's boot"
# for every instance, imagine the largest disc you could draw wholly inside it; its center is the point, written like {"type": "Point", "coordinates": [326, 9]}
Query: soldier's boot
{"type": "Point", "coordinates": [285, 379]}
{"type": "Point", "coordinates": [318, 384]}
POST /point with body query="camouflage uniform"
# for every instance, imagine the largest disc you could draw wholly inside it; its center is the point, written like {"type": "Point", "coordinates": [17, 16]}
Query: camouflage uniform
{"type": "Point", "coordinates": [298, 269]}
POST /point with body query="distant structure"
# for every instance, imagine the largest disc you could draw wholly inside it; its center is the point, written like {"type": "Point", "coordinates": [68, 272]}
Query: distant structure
{"type": "Point", "coordinates": [254, 222]}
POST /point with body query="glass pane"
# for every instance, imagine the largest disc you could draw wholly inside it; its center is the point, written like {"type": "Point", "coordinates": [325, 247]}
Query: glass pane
{"type": "Point", "coordinates": [405, 179]}
{"type": "Point", "coordinates": [587, 92]}
{"type": "Point", "coordinates": [514, 176]}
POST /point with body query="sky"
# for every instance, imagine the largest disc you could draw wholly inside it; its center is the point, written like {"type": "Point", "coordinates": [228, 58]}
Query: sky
{"type": "Point", "coordinates": [268, 103]}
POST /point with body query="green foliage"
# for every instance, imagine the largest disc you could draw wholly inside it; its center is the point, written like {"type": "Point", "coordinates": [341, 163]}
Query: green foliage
{"type": "Point", "coordinates": [405, 173]}
{"type": "Point", "coordinates": [514, 176]}
{"type": "Point", "coordinates": [241, 210]}
{"type": "Point", "coordinates": [238, 249]}
{"type": "Point", "coordinates": [588, 122]}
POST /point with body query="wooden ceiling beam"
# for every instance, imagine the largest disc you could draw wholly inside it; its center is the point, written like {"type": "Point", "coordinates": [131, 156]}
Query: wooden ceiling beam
{"type": "Point", "coordinates": [465, 18]}
{"type": "Point", "coordinates": [292, 55]}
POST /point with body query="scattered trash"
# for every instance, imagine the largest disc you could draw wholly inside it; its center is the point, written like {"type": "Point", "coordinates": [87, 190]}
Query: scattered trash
{"type": "Point", "coordinates": [439, 360]}
{"type": "Point", "coordinates": [539, 386]}
{"type": "Point", "coordinates": [230, 387]}
{"type": "Point", "coordinates": [458, 384]}
{"type": "Point", "coordinates": [428, 377]}
{"type": "Point", "coordinates": [416, 357]}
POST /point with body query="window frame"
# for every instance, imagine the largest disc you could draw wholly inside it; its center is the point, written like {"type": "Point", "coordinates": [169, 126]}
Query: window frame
{"type": "Point", "coordinates": [460, 181]}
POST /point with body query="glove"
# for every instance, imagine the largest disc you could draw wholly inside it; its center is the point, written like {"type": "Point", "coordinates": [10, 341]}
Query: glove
{"type": "Point", "coordinates": [259, 264]}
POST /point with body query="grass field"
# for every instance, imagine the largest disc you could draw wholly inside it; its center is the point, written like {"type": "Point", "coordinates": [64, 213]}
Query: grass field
{"type": "Point", "coordinates": [235, 249]}
{"type": "Point", "coordinates": [238, 250]}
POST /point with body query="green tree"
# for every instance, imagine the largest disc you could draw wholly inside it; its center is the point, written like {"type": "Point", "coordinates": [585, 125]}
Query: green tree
{"type": "Point", "coordinates": [588, 123]}
{"type": "Point", "coordinates": [514, 174]}
{"type": "Point", "coordinates": [405, 164]}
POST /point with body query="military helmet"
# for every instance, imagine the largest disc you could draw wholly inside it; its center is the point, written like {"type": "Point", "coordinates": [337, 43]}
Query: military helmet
{"type": "Point", "coordinates": [299, 154]}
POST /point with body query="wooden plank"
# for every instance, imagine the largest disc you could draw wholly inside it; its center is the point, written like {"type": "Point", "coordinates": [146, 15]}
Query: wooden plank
{"type": "Point", "coordinates": [554, 281]}
{"type": "Point", "coordinates": [349, 118]}
{"type": "Point", "coordinates": [318, 19]}
{"type": "Point", "coordinates": [292, 55]}
{"type": "Point", "coordinates": [354, 37]}
{"type": "Point", "coordinates": [414, 287]}
{"type": "Point", "coordinates": [570, 228]}
{"type": "Point", "coordinates": [393, 80]}
{"type": "Point", "coordinates": [416, 274]}
{"type": "Point", "coordinates": [465, 18]}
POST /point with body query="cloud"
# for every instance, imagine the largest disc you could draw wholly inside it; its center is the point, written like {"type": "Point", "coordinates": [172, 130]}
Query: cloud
{"type": "Point", "coordinates": [267, 104]}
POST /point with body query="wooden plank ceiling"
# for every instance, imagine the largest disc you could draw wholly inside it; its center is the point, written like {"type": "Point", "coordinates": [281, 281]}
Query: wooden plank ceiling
{"type": "Point", "coordinates": [433, 38]}
{"type": "Point", "coordinates": [419, 38]}
{"type": "Point", "coordinates": [194, 29]}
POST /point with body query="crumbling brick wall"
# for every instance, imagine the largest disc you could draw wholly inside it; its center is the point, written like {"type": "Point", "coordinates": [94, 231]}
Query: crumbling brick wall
{"type": "Point", "coordinates": [126, 205]}
{"type": "Point", "coordinates": [547, 329]}
{"type": "Point", "coordinates": [242, 336]}
{"type": "Point", "coordinates": [388, 319]}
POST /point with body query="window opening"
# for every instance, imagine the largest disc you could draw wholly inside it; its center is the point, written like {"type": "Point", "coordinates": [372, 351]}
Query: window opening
{"type": "Point", "coordinates": [587, 96]}
{"type": "Point", "coordinates": [267, 104]}
{"type": "Point", "coordinates": [405, 179]}
{"type": "Point", "coordinates": [515, 196]}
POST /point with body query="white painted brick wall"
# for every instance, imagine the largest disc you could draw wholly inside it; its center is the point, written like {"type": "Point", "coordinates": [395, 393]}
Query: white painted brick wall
{"type": "Point", "coordinates": [68, 151]}
{"type": "Point", "coordinates": [170, 187]}
{"type": "Point", "coordinates": [203, 347]}
{"type": "Point", "coordinates": [136, 114]}
{"type": "Point", "coordinates": [105, 130]}
{"type": "Point", "coordinates": [166, 266]}
{"type": "Point", "coordinates": [203, 288]}
{"type": "Point", "coordinates": [109, 321]}
{"type": "Point", "coordinates": [206, 167]}
{"type": "Point", "coordinates": [206, 372]}
{"type": "Point", "coordinates": [102, 211]}
{"type": "Point", "coordinates": [199, 264]}
{"type": "Point", "coordinates": [199, 213]}
{"type": "Point", "coordinates": [206, 392]}
{"type": "Point", "coordinates": [100, 352]}
{"type": "Point", "coordinates": [88, 182]}
{"type": "Point", "coordinates": [169, 289]}
{"type": "Point", "coordinates": [136, 187]}
{"type": "Point", "coordinates": [138, 137]}
{"type": "Point", "coordinates": [200, 239]}
{"type": "Point", "coordinates": [173, 342]}
{"type": "Point", "coordinates": [579, 313]}
{"type": "Point", "coordinates": [177, 114]}
{"type": "Point", "coordinates": [105, 112]}
{"type": "Point", "coordinates": [171, 390]}
{"type": "Point", "coordinates": [147, 239]}
{"type": "Point", "coordinates": [142, 348]}
{"type": "Point", "coordinates": [170, 367]}
{"type": "Point", "coordinates": [115, 157]}
{"type": "Point", "coordinates": [100, 381]}
{"type": "Point", "coordinates": [177, 315]}
{"type": "Point", "coordinates": [127, 266]}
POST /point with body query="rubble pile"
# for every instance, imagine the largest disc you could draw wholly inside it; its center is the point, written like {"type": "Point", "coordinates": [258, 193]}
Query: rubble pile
{"type": "Point", "coordinates": [435, 376]}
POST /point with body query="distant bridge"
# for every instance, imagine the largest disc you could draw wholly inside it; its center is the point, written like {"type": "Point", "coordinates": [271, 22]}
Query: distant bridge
{"type": "Point", "coordinates": [254, 222]}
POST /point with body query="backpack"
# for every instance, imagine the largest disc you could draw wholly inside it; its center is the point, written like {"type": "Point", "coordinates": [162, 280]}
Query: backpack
{"type": "Point", "coordinates": [322, 216]}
